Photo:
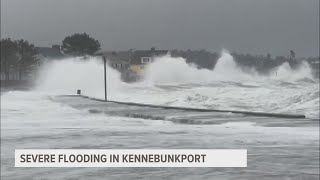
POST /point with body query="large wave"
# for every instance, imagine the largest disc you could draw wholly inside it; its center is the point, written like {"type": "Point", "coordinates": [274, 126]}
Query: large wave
{"type": "Point", "coordinates": [68, 75]}
{"type": "Point", "coordinates": [172, 81]}
{"type": "Point", "coordinates": [286, 73]}
{"type": "Point", "coordinates": [170, 70]}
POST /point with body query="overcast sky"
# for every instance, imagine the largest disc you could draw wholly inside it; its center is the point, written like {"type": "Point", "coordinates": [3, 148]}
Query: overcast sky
{"type": "Point", "coordinates": [254, 26]}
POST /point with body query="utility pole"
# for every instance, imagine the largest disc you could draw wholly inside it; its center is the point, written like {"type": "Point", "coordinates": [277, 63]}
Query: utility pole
{"type": "Point", "coordinates": [105, 77]}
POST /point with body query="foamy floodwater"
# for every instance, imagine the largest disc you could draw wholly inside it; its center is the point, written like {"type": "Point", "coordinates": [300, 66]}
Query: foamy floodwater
{"type": "Point", "coordinates": [35, 120]}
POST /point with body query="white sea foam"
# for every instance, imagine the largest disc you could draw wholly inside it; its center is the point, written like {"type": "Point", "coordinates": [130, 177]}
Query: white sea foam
{"type": "Point", "coordinates": [171, 81]}
{"type": "Point", "coordinates": [32, 120]}
{"type": "Point", "coordinates": [68, 75]}
{"type": "Point", "coordinates": [170, 70]}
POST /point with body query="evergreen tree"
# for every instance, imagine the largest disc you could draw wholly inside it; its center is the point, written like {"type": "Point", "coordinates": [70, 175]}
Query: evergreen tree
{"type": "Point", "coordinates": [80, 45]}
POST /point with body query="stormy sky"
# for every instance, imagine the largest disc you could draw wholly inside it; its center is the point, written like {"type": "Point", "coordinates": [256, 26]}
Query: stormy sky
{"type": "Point", "coordinates": [248, 26]}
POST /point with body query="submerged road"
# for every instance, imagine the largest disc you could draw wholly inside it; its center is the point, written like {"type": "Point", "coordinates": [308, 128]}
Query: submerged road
{"type": "Point", "coordinates": [278, 148]}
{"type": "Point", "coordinates": [183, 115]}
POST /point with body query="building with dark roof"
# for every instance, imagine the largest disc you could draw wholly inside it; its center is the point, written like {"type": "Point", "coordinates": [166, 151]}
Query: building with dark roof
{"type": "Point", "coordinates": [118, 60]}
{"type": "Point", "coordinates": [50, 53]}
{"type": "Point", "coordinates": [141, 58]}
{"type": "Point", "coordinates": [131, 63]}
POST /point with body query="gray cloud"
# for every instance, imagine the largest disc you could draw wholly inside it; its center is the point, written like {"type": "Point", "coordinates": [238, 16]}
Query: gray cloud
{"type": "Point", "coordinates": [255, 26]}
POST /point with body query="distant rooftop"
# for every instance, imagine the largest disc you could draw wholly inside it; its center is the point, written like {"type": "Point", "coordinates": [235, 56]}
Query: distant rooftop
{"type": "Point", "coordinates": [123, 56]}
{"type": "Point", "coordinates": [132, 56]}
{"type": "Point", "coordinates": [53, 52]}
{"type": "Point", "coordinates": [138, 54]}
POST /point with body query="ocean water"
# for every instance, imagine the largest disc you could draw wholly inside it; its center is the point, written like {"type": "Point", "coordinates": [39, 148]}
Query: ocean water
{"type": "Point", "coordinates": [277, 148]}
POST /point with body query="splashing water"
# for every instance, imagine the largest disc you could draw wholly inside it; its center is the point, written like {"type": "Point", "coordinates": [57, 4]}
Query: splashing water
{"type": "Point", "coordinates": [286, 73]}
{"type": "Point", "coordinates": [66, 76]}
{"type": "Point", "coordinates": [169, 70]}
{"type": "Point", "coordinates": [171, 81]}
{"type": "Point", "coordinates": [32, 120]}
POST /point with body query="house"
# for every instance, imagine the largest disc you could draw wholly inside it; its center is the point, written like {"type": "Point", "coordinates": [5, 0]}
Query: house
{"type": "Point", "coordinates": [132, 62]}
{"type": "Point", "coordinates": [119, 61]}
{"type": "Point", "coordinates": [141, 58]}
{"type": "Point", "coordinates": [49, 53]}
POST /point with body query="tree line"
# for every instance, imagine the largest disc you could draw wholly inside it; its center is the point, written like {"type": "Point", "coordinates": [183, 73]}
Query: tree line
{"type": "Point", "coordinates": [20, 56]}
{"type": "Point", "coordinates": [17, 55]}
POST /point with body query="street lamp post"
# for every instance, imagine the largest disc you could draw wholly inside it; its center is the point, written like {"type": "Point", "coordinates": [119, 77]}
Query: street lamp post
{"type": "Point", "coordinates": [105, 77]}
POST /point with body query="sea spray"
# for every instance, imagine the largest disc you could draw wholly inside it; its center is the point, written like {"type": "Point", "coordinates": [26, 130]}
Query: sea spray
{"type": "Point", "coordinates": [68, 75]}
{"type": "Point", "coordinates": [285, 73]}
{"type": "Point", "coordinates": [171, 70]}
{"type": "Point", "coordinates": [176, 70]}
{"type": "Point", "coordinates": [172, 81]}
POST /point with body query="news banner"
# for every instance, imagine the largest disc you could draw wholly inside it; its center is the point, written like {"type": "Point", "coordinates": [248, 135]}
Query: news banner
{"type": "Point", "coordinates": [131, 158]}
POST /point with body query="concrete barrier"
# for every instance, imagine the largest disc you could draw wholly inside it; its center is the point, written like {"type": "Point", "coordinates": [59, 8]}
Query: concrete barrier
{"type": "Point", "coordinates": [250, 113]}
